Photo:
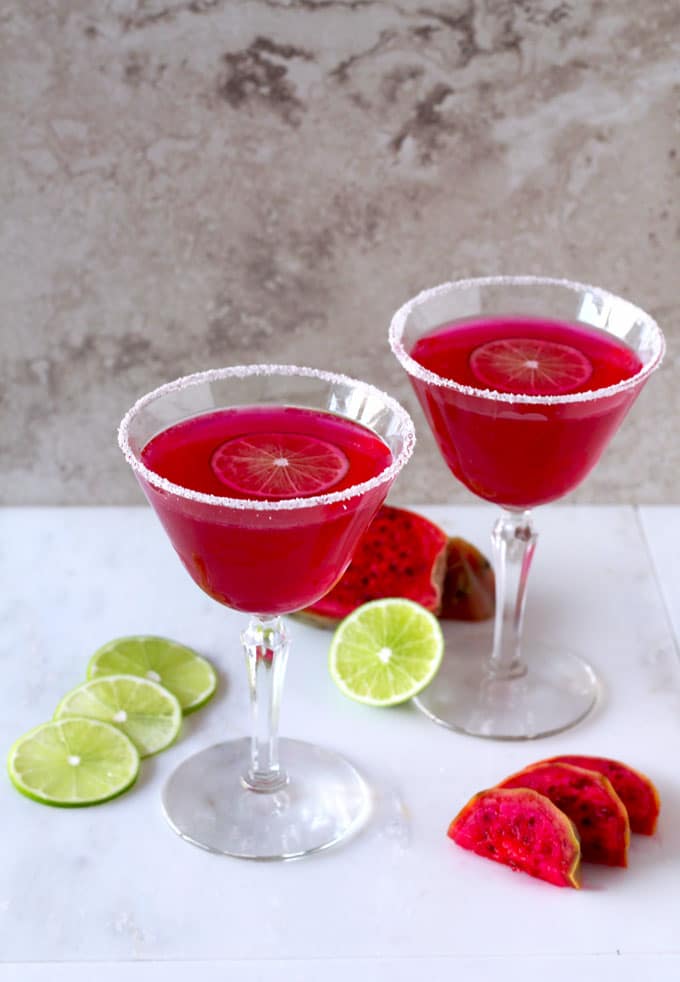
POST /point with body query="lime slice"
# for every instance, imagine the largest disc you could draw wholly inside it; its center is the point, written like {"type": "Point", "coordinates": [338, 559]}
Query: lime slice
{"type": "Point", "coordinates": [531, 366]}
{"type": "Point", "coordinates": [386, 651]}
{"type": "Point", "coordinates": [146, 712]}
{"type": "Point", "coordinates": [73, 762]}
{"type": "Point", "coordinates": [189, 677]}
{"type": "Point", "coordinates": [279, 465]}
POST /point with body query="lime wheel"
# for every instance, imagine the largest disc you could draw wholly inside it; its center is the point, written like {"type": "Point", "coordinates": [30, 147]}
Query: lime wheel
{"type": "Point", "coordinates": [279, 465]}
{"type": "Point", "coordinates": [530, 366]}
{"type": "Point", "coordinates": [189, 677]}
{"type": "Point", "coordinates": [386, 651]}
{"type": "Point", "coordinates": [144, 710]}
{"type": "Point", "coordinates": [73, 762]}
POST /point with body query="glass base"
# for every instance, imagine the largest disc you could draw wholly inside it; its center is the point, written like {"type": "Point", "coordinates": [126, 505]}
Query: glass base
{"type": "Point", "coordinates": [557, 690]}
{"type": "Point", "coordinates": [206, 802]}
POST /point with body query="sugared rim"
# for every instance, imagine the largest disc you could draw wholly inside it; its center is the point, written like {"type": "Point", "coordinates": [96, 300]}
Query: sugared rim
{"type": "Point", "coordinates": [414, 368]}
{"type": "Point", "coordinates": [406, 428]}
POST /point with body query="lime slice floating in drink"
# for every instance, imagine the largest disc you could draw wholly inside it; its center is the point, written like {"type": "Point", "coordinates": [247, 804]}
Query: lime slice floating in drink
{"type": "Point", "coordinates": [145, 711]}
{"type": "Point", "coordinates": [189, 677]}
{"type": "Point", "coordinates": [386, 651]}
{"type": "Point", "coordinates": [279, 465]}
{"type": "Point", "coordinates": [530, 366]}
{"type": "Point", "coordinates": [73, 762]}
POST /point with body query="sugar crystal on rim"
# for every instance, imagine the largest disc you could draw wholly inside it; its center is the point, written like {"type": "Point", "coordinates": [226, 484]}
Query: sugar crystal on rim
{"type": "Point", "coordinates": [405, 429]}
{"type": "Point", "coordinates": [410, 365]}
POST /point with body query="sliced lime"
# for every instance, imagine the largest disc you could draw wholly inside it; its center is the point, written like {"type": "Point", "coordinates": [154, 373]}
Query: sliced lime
{"type": "Point", "coordinates": [73, 762]}
{"type": "Point", "coordinates": [189, 677]}
{"type": "Point", "coordinates": [146, 712]}
{"type": "Point", "coordinates": [386, 651]}
{"type": "Point", "coordinates": [530, 365]}
{"type": "Point", "coordinates": [279, 465]}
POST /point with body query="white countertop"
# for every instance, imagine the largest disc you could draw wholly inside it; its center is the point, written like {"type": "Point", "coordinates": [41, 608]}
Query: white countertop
{"type": "Point", "coordinates": [113, 884]}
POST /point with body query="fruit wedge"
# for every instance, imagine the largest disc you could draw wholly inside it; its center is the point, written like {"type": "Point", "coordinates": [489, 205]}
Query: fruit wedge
{"type": "Point", "coordinates": [523, 830]}
{"type": "Point", "coordinates": [636, 791]}
{"type": "Point", "coordinates": [589, 800]}
{"type": "Point", "coordinates": [469, 586]}
{"type": "Point", "coordinates": [401, 554]}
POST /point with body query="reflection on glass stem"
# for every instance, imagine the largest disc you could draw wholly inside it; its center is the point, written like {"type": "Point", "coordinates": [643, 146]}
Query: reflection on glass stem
{"type": "Point", "coordinates": [514, 543]}
{"type": "Point", "coordinates": [266, 645]}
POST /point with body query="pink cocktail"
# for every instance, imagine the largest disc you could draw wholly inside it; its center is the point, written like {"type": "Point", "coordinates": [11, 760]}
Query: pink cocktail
{"type": "Point", "coordinates": [520, 455]}
{"type": "Point", "coordinates": [523, 380]}
{"type": "Point", "coordinates": [264, 478]}
{"type": "Point", "coordinates": [272, 453]}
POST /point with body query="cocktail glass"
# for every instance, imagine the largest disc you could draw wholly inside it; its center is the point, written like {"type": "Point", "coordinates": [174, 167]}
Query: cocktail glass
{"type": "Point", "coordinates": [266, 798]}
{"type": "Point", "coordinates": [518, 450]}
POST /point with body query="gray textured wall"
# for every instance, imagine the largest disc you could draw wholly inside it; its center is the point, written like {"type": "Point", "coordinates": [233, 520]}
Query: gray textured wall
{"type": "Point", "coordinates": [191, 183]}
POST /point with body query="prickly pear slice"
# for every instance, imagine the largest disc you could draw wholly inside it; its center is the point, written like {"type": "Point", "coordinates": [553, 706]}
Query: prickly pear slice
{"type": "Point", "coordinates": [589, 800]}
{"type": "Point", "coordinates": [469, 588]}
{"type": "Point", "coordinates": [523, 830]}
{"type": "Point", "coordinates": [636, 791]}
{"type": "Point", "coordinates": [401, 554]}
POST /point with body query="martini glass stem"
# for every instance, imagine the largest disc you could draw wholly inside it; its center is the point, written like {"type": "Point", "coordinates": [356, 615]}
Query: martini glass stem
{"type": "Point", "coordinates": [514, 542]}
{"type": "Point", "coordinates": [266, 644]}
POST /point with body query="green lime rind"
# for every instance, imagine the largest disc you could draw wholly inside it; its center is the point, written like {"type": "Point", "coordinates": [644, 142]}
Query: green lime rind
{"type": "Point", "coordinates": [386, 651]}
{"type": "Point", "coordinates": [189, 676]}
{"type": "Point", "coordinates": [145, 711]}
{"type": "Point", "coordinates": [73, 763]}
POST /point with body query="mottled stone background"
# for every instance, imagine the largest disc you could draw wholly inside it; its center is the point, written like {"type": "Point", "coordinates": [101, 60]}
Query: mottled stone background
{"type": "Point", "coordinates": [191, 183]}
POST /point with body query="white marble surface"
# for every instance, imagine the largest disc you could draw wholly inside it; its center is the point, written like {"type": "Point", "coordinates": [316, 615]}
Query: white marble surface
{"type": "Point", "coordinates": [113, 885]}
{"type": "Point", "coordinates": [661, 528]}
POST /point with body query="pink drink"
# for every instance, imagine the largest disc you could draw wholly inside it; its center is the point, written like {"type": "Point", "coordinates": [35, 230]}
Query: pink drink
{"type": "Point", "coordinates": [521, 454]}
{"type": "Point", "coordinates": [268, 561]}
